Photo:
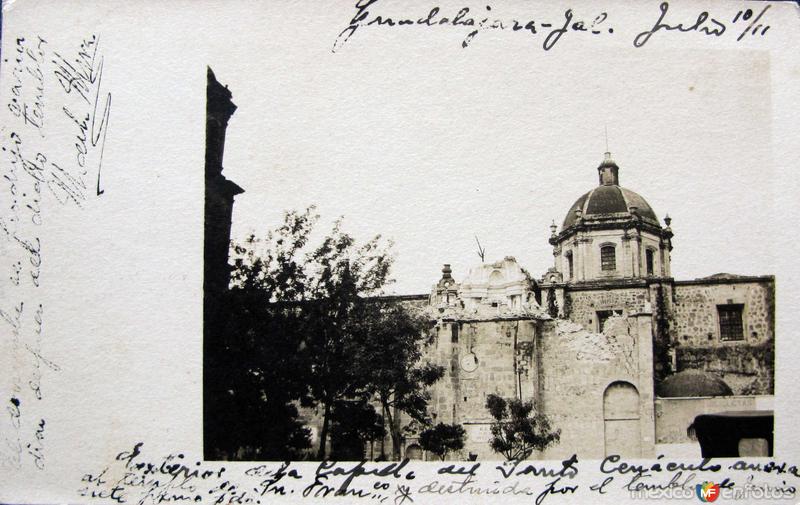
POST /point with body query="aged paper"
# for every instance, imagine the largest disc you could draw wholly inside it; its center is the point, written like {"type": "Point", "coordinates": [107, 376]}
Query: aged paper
{"type": "Point", "coordinates": [585, 210]}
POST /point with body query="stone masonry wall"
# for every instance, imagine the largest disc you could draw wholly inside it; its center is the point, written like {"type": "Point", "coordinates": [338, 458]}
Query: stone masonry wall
{"type": "Point", "coordinates": [578, 366]}
{"type": "Point", "coordinates": [585, 304]}
{"type": "Point", "coordinates": [575, 367]}
{"type": "Point", "coordinates": [747, 365]}
{"type": "Point", "coordinates": [460, 396]}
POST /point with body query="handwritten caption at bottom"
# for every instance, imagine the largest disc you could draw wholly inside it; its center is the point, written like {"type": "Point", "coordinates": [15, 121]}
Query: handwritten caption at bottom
{"type": "Point", "coordinates": [134, 477]}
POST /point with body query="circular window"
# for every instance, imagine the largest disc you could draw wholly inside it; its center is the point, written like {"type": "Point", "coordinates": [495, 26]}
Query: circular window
{"type": "Point", "coordinates": [469, 363]}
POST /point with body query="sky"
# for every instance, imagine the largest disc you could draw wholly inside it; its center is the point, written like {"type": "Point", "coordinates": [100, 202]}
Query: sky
{"type": "Point", "coordinates": [431, 144]}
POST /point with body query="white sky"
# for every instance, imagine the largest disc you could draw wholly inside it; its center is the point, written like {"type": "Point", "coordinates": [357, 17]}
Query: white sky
{"type": "Point", "coordinates": [431, 144]}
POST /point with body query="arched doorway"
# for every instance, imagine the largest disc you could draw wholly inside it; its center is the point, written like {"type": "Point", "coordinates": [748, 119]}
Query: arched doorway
{"type": "Point", "coordinates": [623, 434]}
{"type": "Point", "coordinates": [414, 451]}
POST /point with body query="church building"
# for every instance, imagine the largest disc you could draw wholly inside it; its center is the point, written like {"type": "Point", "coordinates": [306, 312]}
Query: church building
{"type": "Point", "coordinates": [618, 354]}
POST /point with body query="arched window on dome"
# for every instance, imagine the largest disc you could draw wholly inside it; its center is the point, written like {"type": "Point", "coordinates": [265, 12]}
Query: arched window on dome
{"type": "Point", "coordinates": [608, 258]}
{"type": "Point", "coordinates": [568, 255]}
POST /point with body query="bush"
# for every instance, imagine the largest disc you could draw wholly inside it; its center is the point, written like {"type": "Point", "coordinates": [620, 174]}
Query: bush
{"type": "Point", "coordinates": [442, 439]}
{"type": "Point", "coordinates": [517, 430]}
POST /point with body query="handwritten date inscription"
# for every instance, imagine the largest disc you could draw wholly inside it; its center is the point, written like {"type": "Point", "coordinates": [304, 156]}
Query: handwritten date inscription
{"type": "Point", "coordinates": [705, 24]}
{"type": "Point", "coordinates": [746, 22]}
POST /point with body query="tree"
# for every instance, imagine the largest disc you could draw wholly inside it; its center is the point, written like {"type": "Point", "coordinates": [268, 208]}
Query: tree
{"type": "Point", "coordinates": [262, 375]}
{"type": "Point", "coordinates": [442, 439]}
{"type": "Point", "coordinates": [258, 369]}
{"type": "Point", "coordinates": [341, 275]}
{"type": "Point", "coordinates": [311, 331]}
{"type": "Point", "coordinates": [355, 422]}
{"type": "Point", "coordinates": [391, 361]}
{"type": "Point", "coordinates": [517, 430]}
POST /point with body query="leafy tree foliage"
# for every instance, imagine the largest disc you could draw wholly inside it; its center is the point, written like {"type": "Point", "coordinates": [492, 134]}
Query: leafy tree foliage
{"type": "Point", "coordinates": [517, 430]}
{"type": "Point", "coordinates": [342, 274]}
{"type": "Point", "coordinates": [355, 423]}
{"type": "Point", "coordinates": [303, 329]}
{"type": "Point", "coordinates": [252, 406]}
{"type": "Point", "coordinates": [443, 439]}
{"type": "Point", "coordinates": [256, 362]}
{"type": "Point", "coordinates": [390, 359]}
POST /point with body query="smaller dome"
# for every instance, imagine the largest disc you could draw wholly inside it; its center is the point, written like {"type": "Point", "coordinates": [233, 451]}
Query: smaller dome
{"type": "Point", "coordinates": [692, 383]}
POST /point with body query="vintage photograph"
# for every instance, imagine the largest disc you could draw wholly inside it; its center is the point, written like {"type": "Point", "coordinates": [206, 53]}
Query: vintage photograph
{"type": "Point", "coordinates": [580, 337]}
{"type": "Point", "coordinates": [398, 251]}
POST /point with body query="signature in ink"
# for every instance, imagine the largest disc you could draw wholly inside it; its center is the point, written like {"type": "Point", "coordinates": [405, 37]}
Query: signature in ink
{"type": "Point", "coordinates": [83, 76]}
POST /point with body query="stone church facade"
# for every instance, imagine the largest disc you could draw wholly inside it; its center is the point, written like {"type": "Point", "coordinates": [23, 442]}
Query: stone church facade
{"type": "Point", "coordinates": [616, 352]}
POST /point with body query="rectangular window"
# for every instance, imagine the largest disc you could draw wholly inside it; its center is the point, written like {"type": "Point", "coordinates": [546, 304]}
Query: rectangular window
{"type": "Point", "coordinates": [569, 264]}
{"type": "Point", "coordinates": [454, 333]}
{"type": "Point", "coordinates": [608, 258]}
{"type": "Point", "coordinates": [648, 255]}
{"type": "Point", "coordinates": [730, 322]}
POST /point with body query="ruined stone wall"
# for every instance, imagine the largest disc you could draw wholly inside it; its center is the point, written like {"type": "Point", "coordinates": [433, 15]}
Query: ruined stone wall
{"type": "Point", "coordinates": [583, 305]}
{"type": "Point", "coordinates": [562, 367]}
{"type": "Point", "coordinates": [746, 365]}
{"type": "Point", "coordinates": [578, 366]}
{"type": "Point", "coordinates": [696, 320]}
{"type": "Point", "coordinates": [484, 360]}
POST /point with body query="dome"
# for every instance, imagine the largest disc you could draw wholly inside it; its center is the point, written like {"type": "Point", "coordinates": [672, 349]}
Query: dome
{"type": "Point", "coordinates": [608, 202]}
{"type": "Point", "coordinates": [692, 383]}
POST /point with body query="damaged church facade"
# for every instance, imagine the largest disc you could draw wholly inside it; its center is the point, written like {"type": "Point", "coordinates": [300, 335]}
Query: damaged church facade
{"type": "Point", "coordinates": [618, 354]}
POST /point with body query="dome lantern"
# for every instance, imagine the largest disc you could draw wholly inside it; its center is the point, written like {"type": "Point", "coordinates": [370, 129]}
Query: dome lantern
{"type": "Point", "coordinates": [608, 171]}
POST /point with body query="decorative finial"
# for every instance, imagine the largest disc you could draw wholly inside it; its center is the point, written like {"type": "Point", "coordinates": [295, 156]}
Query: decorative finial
{"type": "Point", "coordinates": [447, 271]}
{"type": "Point", "coordinates": [607, 150]}
{"type": "Point", "coordinates": [553, 228]}
{"type": "Point", "coordinates": [668, 231]}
